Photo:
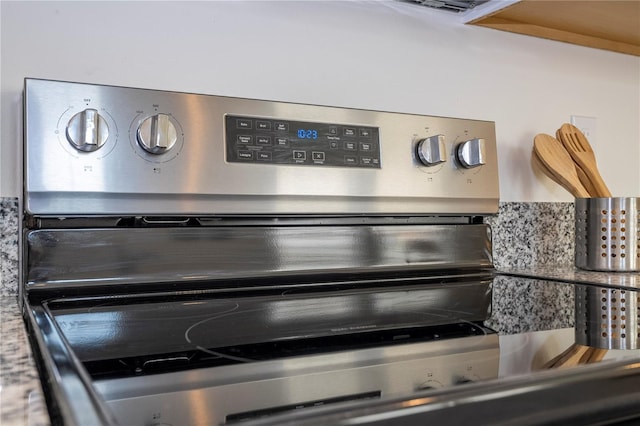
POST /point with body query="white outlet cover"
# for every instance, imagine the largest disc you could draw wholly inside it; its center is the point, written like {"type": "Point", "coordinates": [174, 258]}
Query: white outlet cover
{"type": "Point", "coordinates": [587, 126]}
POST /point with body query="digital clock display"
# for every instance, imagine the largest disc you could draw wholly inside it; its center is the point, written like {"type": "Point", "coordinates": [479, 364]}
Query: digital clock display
{"type": "Point", "coordinates": [307, 134]}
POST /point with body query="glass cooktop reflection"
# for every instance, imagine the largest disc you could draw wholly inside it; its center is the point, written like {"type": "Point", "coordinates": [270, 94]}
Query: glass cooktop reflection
{"type": "Point", "coordinates": [146, 332]}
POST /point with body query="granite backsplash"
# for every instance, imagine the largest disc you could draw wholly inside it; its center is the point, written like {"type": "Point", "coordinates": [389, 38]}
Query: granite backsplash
{"type": "Point", "coordinates": [524, 235]}
{"type": "Point", "coordinates": [9, 246]}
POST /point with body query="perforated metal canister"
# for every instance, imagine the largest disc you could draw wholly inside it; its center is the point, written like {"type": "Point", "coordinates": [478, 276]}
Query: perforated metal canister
{"type": "Point", "coordinates": [607, 234]}
{"type": "Point", "coordinates": [606, 318]}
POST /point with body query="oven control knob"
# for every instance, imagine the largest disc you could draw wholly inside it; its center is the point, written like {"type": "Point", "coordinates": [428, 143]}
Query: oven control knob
{"type": "Point", "coordinates": [432, 151]}
{"type": "Point", "coordinates": [157, 134]}
{"type": "Point", "coordinates": [471, 153]}
{"type": "Point", "coordinates": [87, 130]}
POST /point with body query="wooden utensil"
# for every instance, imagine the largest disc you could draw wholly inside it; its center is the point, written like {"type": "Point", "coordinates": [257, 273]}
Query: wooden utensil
{"type": "Point", "coordinates": [576, 355]}
{"type": "Point", "coordinates": [558, 161]}
{"type": "Point", "coordinates": [581, 151]}
{"type": "Point", "coordinates": [537, 164]}
{"type": "Point", "coordinates": [584, 179]}
{"type": "Point", "coordinates": [570, 357]}
{"type": "Point", "coordinates": [586, 182]}
{"type": "Point", "coordinates": [596, 355]}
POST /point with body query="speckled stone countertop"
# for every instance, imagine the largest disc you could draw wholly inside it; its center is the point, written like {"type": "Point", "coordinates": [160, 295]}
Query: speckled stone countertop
{"type": "Point", "coordinates": [21, 398]}
{"type": "Point", "coordinates": [520, 240]}
{"type": "Point", "coordinates": [8, 247]}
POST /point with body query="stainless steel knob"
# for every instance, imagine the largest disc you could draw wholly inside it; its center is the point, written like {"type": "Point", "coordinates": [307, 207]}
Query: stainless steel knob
{"type": "Point", "coordinates": [432, 151]}
{"type": "Point", "coordinates": [87, 130]}
{"type": "Point", "coordinates": [471, 153]}
{"type": "Point", "coordinates": [157, 134]}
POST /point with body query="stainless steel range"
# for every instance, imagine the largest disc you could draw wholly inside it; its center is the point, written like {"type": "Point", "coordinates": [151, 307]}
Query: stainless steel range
{"type": "Point", "coordinates": [196, 259]}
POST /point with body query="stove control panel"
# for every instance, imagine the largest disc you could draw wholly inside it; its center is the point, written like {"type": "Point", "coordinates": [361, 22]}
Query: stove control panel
{"type": "Point", "coordinates": [107, 150]}
{"type": "Point", "coordinates": [268, 141]}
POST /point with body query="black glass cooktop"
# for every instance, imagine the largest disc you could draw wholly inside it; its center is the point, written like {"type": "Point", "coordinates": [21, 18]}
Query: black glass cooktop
{"type": "Point", "coordinates": [142, 333]}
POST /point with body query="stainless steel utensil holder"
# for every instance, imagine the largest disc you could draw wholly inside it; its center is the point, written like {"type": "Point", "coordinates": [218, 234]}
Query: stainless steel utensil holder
{"type": "Point", "coordinates": [606, 318]}
{"type": "Point", "coordinates": [608, 234]}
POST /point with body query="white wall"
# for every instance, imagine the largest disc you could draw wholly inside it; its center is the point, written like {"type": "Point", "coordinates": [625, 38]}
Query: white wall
{"type": "Point", "coordinates": [375, 55]}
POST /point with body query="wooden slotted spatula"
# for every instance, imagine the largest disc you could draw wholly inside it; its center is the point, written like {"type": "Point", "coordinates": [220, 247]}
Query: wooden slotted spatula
{"type": "Point", "coordinates": [584, 179]}
{"type": "Point", "coordinates": [558, 161]}
{"type": "Point", "coordinates": [582, 153]}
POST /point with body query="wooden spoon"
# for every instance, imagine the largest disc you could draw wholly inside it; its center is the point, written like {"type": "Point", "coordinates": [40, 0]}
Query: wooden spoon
{"type": "Point", "coordinates": [558, 161]}
{"type": "Point", "coordinates": [537, 164]}
{"type": "Point", "coordinates": [582, 153]}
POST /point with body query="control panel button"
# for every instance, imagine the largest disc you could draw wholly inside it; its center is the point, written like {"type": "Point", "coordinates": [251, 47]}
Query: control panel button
{"type": "Point", "coordinates": [282, 142]}
{"type": "Point", "coordinates": [351, 146]}
{"type": "Point", "coordinates": [471, 153]}
{"type": "Point", "coordinates": [263, 125]}
{"type": "Point", "coordinates": [432, 151]}
{"type": "Point", "coordinates": [264, 156]}
{"type": "Point", "coordinates": [317, 156]}
{"type": "Point", "coordinates": [243, 123]}
{"type": "Point", "coordinates": [366, 161]}
{"type": "Point", "coordinates": [245, 139]}
{"type": "Point", "coordinates": [299, 155]}
{"type": "Point", "coordinates": [245, 155]}
{"type": "Point", "coordinates": [281, 126]}
{"type": "Point", "coordinates": [365, 133]}
{"type": "Point", "coordinates": [157, 134]}
{"type": "Point", "coordinates": [87, 130]}
{"type": "Point", "coordinates": [263, 140]}
{"type": "Point", "coordinates": [350, 160]}
{"type": "Point", "coordinates": [366, 146]}
{"type": "Point", "coordinates": [349, 131]}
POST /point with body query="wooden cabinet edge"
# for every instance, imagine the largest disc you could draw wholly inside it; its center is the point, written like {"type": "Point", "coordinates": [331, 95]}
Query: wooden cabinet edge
{"type": "Point", "coordinates": [558, 35]}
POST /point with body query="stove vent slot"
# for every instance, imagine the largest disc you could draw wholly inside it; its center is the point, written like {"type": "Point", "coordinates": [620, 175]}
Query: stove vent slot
{"type": "Point", "coordinates": [451, 5]}
{"type": "Point", "coordinates": [255, 414]}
